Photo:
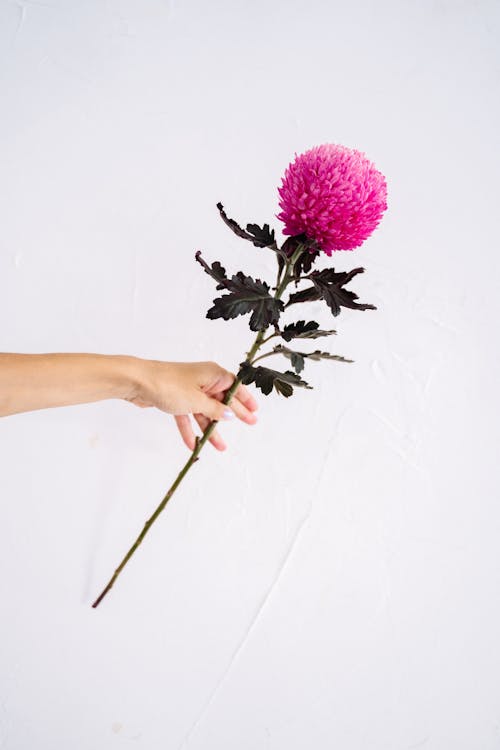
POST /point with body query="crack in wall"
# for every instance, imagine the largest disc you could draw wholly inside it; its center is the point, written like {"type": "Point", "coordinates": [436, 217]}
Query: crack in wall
{"type": "Point", "coordinates": [276, 579]}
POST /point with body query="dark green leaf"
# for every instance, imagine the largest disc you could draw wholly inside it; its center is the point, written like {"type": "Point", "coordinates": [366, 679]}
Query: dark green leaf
{"type": "Point", "coordinates": [331, 276]}
{"type": "Point", "coordinates": [336, 297]}
{"type": "Point", "coordinates": [259, 236]}
{"type": "Point", "coordinates": [216, 271]}
{"type": "Point", "coordinates": [247, 295]}
{"type": "Point", "coordinates": [297, 358]}
{"type": "Point", "coordinates": [285, 389]}
{"type": "Point", "coordinates": [317, 355]}
{"type": "Point", "coordinates": [267, 379]}
{"type": "Point", "coordinates": [303, 330]}
{"type": "Point", "coordinates": [232, 224]}
{"type": "Point", "coordinates": [288, 248]}
{"type": "Point", "coordinates": [304, 262]}
{"type": "Point", "coordinates": [311, 294]}
{"type": "Point", "coordinates": [291, 244]}
{"type": "Point", "coordinates": [263, 236]}
{"type": "Point", "coordinates": [329, 285]}
{"type": "Point", "coordinates": [297, 361]}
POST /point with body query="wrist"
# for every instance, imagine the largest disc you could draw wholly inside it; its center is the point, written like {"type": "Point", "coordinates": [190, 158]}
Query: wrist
{"type": "Point", "coordinates": [128, 376]}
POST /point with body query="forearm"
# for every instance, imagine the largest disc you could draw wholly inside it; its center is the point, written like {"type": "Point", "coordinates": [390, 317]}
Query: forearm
{"type": "Point", "coordinates": [37, 381]}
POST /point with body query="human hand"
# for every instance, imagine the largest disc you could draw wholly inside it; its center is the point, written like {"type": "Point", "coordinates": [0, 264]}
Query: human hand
{"type": "Point", "coordinates": [197, 388]}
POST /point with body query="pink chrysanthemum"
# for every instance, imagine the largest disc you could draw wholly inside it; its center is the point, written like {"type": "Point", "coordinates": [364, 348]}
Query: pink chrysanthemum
{"type": "Point", "coordinates": [334, 195]}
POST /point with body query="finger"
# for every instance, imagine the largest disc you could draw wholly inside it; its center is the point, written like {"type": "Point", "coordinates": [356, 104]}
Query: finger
{"type": "Point", "coordinates": [243, 394]}
{"type": "Point", "coordinates": [186, 430]}
{"type": "Point", "coordinates": [242, 412]}
{"type": "Point", "coordinates": [212, 408]}
{"type": "Point", "coordinates": [215, 437]}
{"type": "Point", "coordinates": [215, 377]}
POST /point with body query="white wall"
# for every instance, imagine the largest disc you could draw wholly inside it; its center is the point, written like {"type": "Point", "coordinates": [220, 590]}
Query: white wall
{"type": "Point", "coordinates": [332, 580]}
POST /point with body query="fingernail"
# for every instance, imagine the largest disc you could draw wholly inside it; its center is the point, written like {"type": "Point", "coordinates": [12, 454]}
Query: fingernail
{"type": "Point", "coordinates": [228, 414]}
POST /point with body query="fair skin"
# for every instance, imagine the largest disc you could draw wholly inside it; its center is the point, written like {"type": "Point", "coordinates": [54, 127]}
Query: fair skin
{"type": "Point", "coordinates": [183, 389]}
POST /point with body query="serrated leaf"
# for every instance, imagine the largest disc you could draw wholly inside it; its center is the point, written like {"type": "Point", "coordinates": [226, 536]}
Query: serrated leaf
{"type": "Point", "coordinates": [297, 361]}
{"type": "Point", "coordinates": [285, 389]}
{"type": "Point", "coordinates": [232, 224]}
{"type": "Point", "coordinates": [311, 294]}
{"type": "Point", "coordinates": [336, 297]}
{"type": "Point", "coordinates": [297, 358]}
{"type": "Point", "coordinates": [266, 379]}
{"type": "Point", "coordinates": [259, 236]}
{"type": "Point", "coordinates": [247, 295]}
{"type": "Point", "coordinates": [317, 355]}
{"type": "Point", "coordinates": [216, 271]}
{"type": "Point", "coordinates": [328, 284]}
{"type": "Point", "coordinates": [291, 244]}
{"type": "Point", "coordinates": [304, 262]}
{"type": "Point", "coordinates": [263, 236]}
{"type": "Point", "coordinates": [303, 330]}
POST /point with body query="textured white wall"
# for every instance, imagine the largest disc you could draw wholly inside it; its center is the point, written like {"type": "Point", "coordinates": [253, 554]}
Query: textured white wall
{"type": "Point", "coordinates": [332, 580]}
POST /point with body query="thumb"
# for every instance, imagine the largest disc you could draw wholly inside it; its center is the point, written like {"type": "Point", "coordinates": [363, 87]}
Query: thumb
{"type": "Point", "coordinates": [214, 409]}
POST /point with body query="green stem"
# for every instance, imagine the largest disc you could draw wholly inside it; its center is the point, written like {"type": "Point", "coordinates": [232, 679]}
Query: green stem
{"type": "Point", "coordinates": [262, 356]}
{"type": "Point", "coordinates": [264, 341]}
{"type": "Point", "coordinates": [278, 277]}
{"type": "Point", "coordinates": [200, 442]}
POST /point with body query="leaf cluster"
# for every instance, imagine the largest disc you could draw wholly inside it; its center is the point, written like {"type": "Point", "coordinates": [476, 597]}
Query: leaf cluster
{"type": "Point", "coordinates": [303, 330]}
{"type": "Point", "coordinates": [328, 285]}
{"type": "Point", "coordinates": [297, 358]}
{"type": "Point", "coordinates": [245, 295]}
{"type": "Point", "coordinates": [259, 236]}
{"type": "Point", "coordinates": [266, 379]}
{"type": "Point", "coordinates": [304, 262]}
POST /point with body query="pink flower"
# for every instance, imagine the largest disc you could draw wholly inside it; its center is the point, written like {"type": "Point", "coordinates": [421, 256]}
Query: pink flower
{"type": "Point", "coordinates": [334, 195]}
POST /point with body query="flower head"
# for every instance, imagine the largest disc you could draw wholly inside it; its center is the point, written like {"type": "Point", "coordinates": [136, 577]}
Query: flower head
{"type": "Point", "coordinates": [334, 195]}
